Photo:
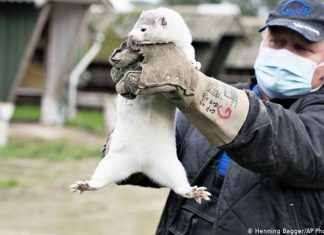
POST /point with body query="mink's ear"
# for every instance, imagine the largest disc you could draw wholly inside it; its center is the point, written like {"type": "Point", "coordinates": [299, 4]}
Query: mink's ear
{"type": "Point", "coordinates": [162, 21]}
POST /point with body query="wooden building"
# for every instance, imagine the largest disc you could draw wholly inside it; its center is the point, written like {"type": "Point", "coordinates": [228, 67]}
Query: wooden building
{"type": "Point", "coordinates": [28, 25]}
{"type": "Point", "coordinates": [24, 26]}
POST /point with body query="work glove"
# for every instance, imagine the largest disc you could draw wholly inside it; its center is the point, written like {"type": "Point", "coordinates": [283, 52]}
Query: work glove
{"type": "Point", "coordinates": [218, 110]}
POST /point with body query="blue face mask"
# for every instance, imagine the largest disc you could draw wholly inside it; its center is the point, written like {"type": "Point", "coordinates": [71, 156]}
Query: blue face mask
{"type": "Point", "coordinates": [283, 74]}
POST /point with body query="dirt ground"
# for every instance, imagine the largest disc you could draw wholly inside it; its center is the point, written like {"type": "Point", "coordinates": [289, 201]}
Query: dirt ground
{"type": "Point", "coordinates": [40, 203]}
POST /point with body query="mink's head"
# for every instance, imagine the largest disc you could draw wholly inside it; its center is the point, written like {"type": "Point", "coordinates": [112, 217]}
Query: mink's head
{"type": "Point", "coordinates": [161, 25]}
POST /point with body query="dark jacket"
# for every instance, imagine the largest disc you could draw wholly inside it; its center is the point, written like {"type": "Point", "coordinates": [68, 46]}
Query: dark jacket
{"type": "Point", "coordinates": [275, 183]}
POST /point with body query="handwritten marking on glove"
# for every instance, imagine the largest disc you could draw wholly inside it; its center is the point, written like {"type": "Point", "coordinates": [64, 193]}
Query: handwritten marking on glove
{"type": "Point", "coordinates": [224, 115]}
{"type": "Point", "coordinates": [212, 99]}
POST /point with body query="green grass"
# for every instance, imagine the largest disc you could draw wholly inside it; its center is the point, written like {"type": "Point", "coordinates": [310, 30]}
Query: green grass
{"type": "Point", "coordinates": [26, 113]}
{"type": "Point", "coordinates": [44, 149]}
{"type": "Point", "coordinates": [9, 183]}
{"type": "Point", "coordinates": [89, 120]}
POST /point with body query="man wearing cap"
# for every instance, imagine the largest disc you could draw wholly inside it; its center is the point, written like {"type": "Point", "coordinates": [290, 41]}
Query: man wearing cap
{"type": "Point", "coordinates": [260, 152]}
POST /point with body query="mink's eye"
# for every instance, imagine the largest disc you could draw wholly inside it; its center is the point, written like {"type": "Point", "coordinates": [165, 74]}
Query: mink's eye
{"type": "Point", "coordinates": [143, 29]}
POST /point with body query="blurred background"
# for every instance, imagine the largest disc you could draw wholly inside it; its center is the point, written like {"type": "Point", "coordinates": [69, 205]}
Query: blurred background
{"type": "Point", "coordinates": [57, 104]}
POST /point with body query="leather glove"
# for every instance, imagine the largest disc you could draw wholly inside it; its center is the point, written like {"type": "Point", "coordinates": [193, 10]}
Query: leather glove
{"type": "Point", "coordinates": [218, 110]}
{"type": "Point", "coordinates": [134, 74]}
{"type": "Point", "coordinates": [126, 70]}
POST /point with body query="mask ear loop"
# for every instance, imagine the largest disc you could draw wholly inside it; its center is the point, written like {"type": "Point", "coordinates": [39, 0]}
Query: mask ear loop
{"type": "Point", "coordinates": [319, 65]}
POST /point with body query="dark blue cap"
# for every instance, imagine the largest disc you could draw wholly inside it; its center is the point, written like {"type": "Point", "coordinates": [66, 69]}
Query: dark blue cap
{"type": "Point", "coordinates": [303, 16]}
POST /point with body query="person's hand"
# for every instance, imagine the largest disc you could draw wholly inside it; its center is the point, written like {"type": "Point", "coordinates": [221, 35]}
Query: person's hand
{"type": "Point", "coordinates": [153, 69]}
{"type": "Point", "coordinates": [126, 70]}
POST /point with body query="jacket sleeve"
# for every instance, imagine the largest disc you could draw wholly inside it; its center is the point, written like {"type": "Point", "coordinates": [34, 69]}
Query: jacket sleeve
{"type": "Point", "coordinates": [286, 144]}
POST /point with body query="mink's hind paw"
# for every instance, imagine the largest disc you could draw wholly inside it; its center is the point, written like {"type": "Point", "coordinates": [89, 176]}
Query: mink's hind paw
{"type": "Point", "coordinates": [199, 194]}
{"type": "Point", "coordinates": [81, 186]}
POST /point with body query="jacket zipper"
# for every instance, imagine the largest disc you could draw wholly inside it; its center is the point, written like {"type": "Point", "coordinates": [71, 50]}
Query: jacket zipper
{"type": "Point", "coordinates": [193, 224]}
{"type": "Point", "coordinates": [220, 193]}
{"type": "Point", "coordinates": [294, 215]}
{"type": "Point", "coordinates": [180, 202]}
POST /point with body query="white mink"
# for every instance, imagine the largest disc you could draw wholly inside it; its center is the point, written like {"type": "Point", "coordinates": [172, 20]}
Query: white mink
{"type": "Point", "coordinates": [144, 136]}
{"type": "Point", "coordinates": [163, 25]}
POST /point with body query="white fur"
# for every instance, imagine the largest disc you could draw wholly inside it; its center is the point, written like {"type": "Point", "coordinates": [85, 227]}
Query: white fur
{"type": "Point", "coordinates": [143, 141]}
{"type": "Point", "coordinates": [144, 136]}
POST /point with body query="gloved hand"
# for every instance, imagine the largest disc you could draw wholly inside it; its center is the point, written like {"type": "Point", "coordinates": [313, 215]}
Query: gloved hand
{"type": "Point", "coordinates": [218, 110]}
{"type": "Point", "coordinates": [126, 70]}
{"type": "Point", "coordinates": [134, 71]}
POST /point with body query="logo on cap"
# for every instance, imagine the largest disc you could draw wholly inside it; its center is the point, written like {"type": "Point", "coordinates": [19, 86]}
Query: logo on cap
{"type": "Point", "coordinates": [306, 27]}
{"type": "Point", "coordinates": [296, 8]}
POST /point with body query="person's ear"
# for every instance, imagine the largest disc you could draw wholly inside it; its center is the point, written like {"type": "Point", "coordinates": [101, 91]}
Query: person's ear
{"type": "Point", "coordinates": [318, 78]}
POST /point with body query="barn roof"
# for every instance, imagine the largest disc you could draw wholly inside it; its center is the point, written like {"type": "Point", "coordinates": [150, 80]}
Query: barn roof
{"type": "Point", "coordinates": [245, 51]}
